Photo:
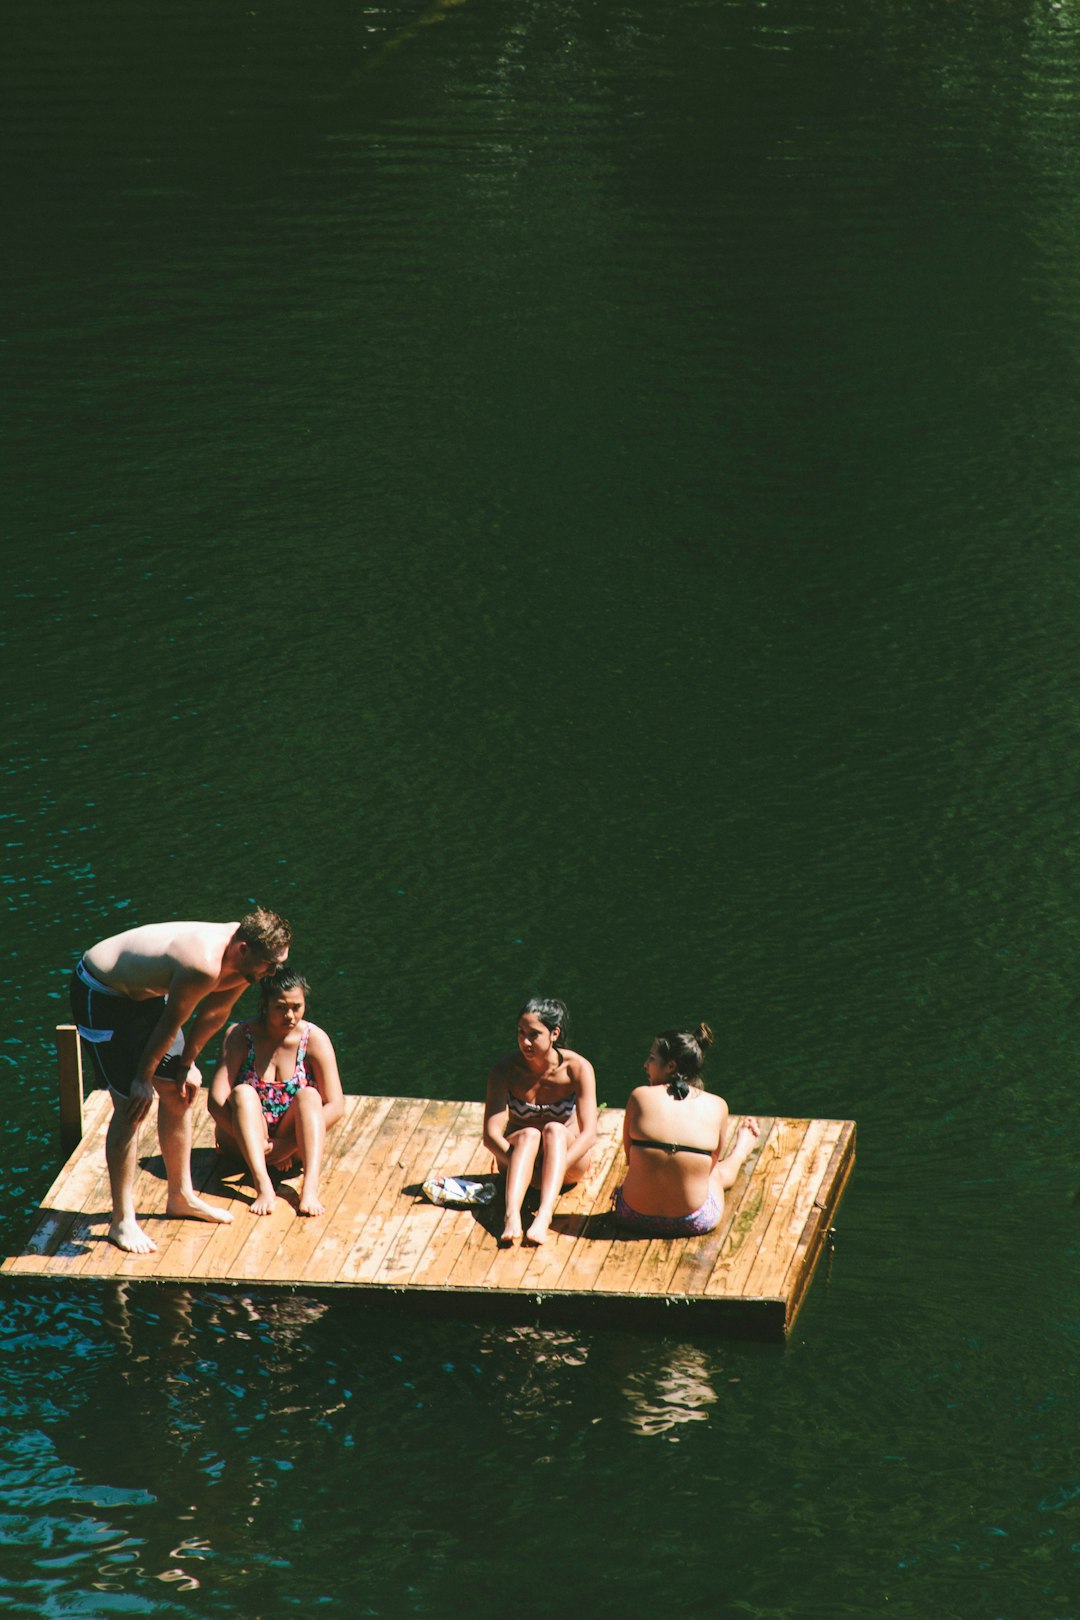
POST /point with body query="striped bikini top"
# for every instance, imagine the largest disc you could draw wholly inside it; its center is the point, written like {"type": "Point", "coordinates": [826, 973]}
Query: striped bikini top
{"type": "Point", "coordinates": [522, 1112]}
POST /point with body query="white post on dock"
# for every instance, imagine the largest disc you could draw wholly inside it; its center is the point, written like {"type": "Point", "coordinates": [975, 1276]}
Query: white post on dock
{"type": "Point", "coordinates": [69, 1063]}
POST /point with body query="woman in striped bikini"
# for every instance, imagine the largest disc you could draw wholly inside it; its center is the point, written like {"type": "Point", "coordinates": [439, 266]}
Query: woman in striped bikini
{"type": "Point", "coordinates": [673, 1132]}
{"type": "Point", "coordinates": [540, 1117]}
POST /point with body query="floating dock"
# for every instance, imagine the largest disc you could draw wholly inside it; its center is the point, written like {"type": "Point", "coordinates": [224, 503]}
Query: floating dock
{"type": "Point", "coordinates": [379, 1235]}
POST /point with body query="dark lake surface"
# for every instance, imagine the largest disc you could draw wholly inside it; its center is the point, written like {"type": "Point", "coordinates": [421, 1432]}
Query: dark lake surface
{"type": "Point", "coordinates": [572, 498]}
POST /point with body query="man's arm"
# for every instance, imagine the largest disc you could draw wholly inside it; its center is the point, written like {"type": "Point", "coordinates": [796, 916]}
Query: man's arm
{"type": "Point", "coordinates": [212, 1015]}
{"type": "Point", "coordinates": [184, 996]}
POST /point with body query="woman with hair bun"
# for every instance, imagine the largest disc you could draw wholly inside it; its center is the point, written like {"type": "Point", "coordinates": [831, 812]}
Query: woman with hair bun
{"type": "Point", "coordinates": [673, 1131]}
{"type": "Point", "coordinates": [540, 1117]}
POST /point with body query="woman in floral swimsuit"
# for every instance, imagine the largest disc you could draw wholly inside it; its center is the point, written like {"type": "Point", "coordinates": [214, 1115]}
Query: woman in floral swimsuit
{"type": "Point", "coordinates": [276, 1092]}
{"type": "Point", "coordinates": [540, 1117]}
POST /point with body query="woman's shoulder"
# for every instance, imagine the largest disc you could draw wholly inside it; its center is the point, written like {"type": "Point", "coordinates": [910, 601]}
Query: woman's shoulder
{"type": "Point", "coordinates": [576, 1065]}
{"type": "Point", "coordinates": [316, 1036]}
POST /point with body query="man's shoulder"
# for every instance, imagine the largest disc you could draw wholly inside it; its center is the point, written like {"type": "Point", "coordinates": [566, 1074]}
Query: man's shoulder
{"type": "Point", "coordinates": [198, 948]}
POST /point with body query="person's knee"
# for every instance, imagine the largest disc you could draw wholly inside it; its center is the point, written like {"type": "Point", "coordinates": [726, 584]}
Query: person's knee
{"type": "Point", "coordinates": [171, 1099]}
{"type": "Point", "coordinates": [243, 1102]}
{"type": "Point", "coordinates": [553, 1133]}
{"type": "Point", "coordinates": [528, 1137]}
{"type": "Point", "coordinates": [308, 1102]}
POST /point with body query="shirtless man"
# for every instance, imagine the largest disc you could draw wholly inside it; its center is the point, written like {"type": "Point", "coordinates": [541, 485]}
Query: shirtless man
{"type": "Point", "coordinates": [131, 995]}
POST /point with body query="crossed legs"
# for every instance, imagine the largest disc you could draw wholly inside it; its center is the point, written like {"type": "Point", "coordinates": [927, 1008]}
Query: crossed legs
{"type": "Point", "coordinates": [302, 1133]}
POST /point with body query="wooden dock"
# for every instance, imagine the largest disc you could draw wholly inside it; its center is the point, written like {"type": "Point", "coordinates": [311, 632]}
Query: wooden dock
{"type": "Point", "coordinates": [379, 1235]}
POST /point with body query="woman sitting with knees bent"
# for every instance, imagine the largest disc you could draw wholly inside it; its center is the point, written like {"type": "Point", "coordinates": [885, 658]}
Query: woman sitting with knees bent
{"type": "Point", "coordinates": [673, 1131]}
{"type": "Point", "coordinates": [276, 1092]}
{"type": "Point", "coordinates": [540, 1117]}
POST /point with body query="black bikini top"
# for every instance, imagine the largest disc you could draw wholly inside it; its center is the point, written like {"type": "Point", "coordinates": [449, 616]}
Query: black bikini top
{"type": "Point", "coordinates": [669, 1147]}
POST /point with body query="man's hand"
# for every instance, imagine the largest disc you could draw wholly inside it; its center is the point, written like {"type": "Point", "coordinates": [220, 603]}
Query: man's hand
{"type": "Point", "coordinates": [191, 1085]}
{"type": "Point", "coordinates": [142, 1095]}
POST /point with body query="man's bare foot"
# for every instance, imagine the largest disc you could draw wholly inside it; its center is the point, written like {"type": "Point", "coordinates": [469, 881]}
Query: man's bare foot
{"type": "Point", "coordinates": [538, 1231]}
{"type": "Point", "coordinates": [129, 1236]}
{"type": "Point", "coordinates": [264, 1202]}
{"type": "Point", "coordinates": [311, 1204]}
{"type": "Point", "coordinates": [194, 1208]}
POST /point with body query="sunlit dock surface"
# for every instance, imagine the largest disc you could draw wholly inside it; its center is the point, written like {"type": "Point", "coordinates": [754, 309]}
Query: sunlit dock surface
{"type": "Point", "coordinates": [378, 1233]}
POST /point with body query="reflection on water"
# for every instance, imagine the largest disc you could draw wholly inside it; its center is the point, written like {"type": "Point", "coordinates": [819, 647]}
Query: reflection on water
{"type": "Point", "coordinates": [681, 1389]}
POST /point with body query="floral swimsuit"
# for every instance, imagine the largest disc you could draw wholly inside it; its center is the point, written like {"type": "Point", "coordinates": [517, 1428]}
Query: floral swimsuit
{"type": "Point", "coordinates": [275, 1097]}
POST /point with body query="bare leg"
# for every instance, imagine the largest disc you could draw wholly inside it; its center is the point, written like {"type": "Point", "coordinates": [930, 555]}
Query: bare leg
{"type": "Point", "coordinates": [174, 1134]}
{"type": "Point", "coordinates": [746, 1140]}
{"type": "Point", "coordinates": [524, 1146]}
{"type": "Point", "coordinates": [552, 1173]}
{"type": "Point", "coordinates": [121, 1156]}
{"type": "Point", "coordinates": [249, 1128]}
{"type": "Point", "coordinates": [310, 1137]}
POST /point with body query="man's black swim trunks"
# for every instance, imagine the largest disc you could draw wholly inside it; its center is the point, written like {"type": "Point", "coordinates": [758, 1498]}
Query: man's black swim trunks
{"type": "Point", "coordinates": [116, 1029]}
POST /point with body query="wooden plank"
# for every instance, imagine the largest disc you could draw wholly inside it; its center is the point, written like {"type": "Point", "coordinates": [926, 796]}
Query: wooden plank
{"type": "Point", "coordinates": [811, 1240]}
{"type": "Point", "coordinates": [776, 1164]}
{"type": "Point", "coordinates": [69, 1069]}
{"type": "Point", "coordinates": [347, 1147]}
{"type": "Point", "coordinates": [769, 1270]}
{"type": "Point", "coordinates": [441, 1262]}
{"type": "Point", "coordinates": [589, 1255]}
{"type": "Point", "coordinates": [419, 1158]}
{"type": "Point", "coordinates": [79, 1182]}
{"type": "Point", "coordinates": [755, 1207]}
{"type": "Point", "coordinates": [362, 1193]}
{"type": "Point", "coordinates": [269, 1234]}
{"type": "Point", "coordinates": [94, 1194]}
{"type": "Point", "coordinates": [462, 1153]}
{"type": "Point", "coordinates": [698, 1259]}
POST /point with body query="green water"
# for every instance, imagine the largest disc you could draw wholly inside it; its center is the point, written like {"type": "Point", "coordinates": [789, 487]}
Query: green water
{"type": "Point", "coordinates": [582, 499]}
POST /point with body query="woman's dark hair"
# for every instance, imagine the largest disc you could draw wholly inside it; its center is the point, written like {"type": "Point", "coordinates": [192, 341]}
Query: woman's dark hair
{"type": "Point", "coordinates": [551, 1012]}
{"type": "Point", "coordinates": [286, 978]}
{"type": "Point", "coordinates": [688, 1052]}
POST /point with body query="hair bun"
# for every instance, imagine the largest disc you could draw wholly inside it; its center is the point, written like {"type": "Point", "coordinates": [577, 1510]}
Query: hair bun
{"type": "Point", "coordinates": [704, 1036]}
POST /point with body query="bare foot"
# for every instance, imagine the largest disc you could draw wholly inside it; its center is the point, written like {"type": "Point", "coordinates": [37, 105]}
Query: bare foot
{"type": "Point", "coordinates": [310, 1204]}
{"type": "Point", "coordinates": [264, 1202]}
{"type": "Point", "coordinates": [194, 1208]}
{"type": "Point", "coordinates": [129, 1236]}
{"type": "Point", "coordinates": [538, 1231]}
{"type": "Point", "coordinates": [511, 1235]}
